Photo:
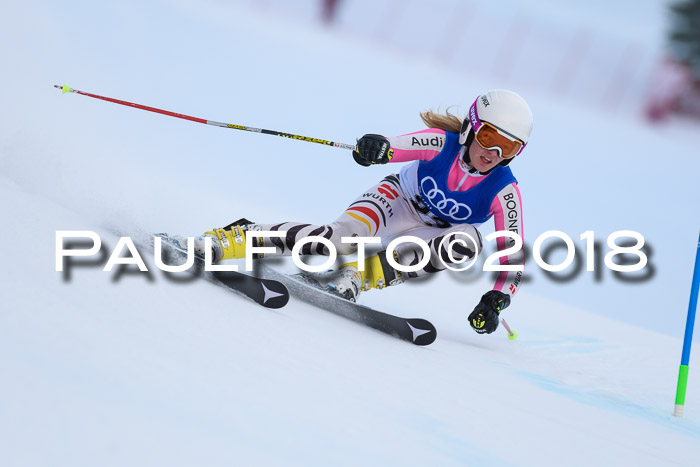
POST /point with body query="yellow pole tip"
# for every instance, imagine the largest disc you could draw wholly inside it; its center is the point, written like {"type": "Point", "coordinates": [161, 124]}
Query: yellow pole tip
{"type": "Point", "coordinates": [66, 89]}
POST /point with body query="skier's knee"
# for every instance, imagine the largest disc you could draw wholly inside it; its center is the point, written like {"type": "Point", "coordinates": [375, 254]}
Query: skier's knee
{"type": "Point", "coordinates": [340, 230]}
{"type": "Point", "coordinates": [345, 249]}
{"type": "Point", "coordinates": [465, 235]}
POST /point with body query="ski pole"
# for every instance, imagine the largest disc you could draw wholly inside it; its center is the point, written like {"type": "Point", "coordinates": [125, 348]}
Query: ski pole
{"type": "Point", "coordinates": [66, 89]}
{"type": "Point", "coordinates": [688, 338]}
{"type": "Point", "coordinates": [512, 335]}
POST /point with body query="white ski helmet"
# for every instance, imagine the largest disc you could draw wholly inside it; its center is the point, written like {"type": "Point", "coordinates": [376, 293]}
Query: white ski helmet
{"type": "Point", "coordinates": [503, 109]}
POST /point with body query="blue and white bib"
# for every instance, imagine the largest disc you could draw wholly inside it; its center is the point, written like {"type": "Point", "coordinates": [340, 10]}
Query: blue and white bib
{"type": "Point", "coordinates": [428, 180]}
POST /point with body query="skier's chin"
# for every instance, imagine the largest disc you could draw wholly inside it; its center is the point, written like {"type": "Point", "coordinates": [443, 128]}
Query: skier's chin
{"type": "Point", "coordinates": [481, 166]}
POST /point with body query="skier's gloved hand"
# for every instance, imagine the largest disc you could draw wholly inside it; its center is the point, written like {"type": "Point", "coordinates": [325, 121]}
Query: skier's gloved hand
{"type": "Point", "coordinates": [372, 149]}
{"type": "Point", "coordinates": [484, 318]}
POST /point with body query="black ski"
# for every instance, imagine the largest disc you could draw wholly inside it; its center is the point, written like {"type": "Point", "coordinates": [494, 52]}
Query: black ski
{"type": "Point", "coordinates": [415, 330]}
{"type": "Point", "coordinates": [266, 292]}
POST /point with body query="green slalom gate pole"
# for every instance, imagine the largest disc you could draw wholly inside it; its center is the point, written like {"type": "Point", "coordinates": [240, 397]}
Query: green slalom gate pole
{"type": "Point", "coordinates": [687, 340]}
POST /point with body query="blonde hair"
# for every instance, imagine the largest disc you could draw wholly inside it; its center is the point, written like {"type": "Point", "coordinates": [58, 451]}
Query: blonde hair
{"type": "Point", "coordinates": [446, 121]}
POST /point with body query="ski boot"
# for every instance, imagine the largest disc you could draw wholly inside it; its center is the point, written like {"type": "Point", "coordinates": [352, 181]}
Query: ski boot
{"type": "Point", "coordinates": [348, 281]}
{"type": "Point", "coordinates": [226, 242]}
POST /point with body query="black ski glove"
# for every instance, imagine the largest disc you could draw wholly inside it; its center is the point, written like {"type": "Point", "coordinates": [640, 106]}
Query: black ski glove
{"type": "Point", "coordinates": [484, 318]}
{"type": "Point", "coordinates": [372, 149]}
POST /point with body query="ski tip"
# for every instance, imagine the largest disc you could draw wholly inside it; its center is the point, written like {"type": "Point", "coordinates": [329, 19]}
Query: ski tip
{"type": "Point", "coordinates": [422, 331]}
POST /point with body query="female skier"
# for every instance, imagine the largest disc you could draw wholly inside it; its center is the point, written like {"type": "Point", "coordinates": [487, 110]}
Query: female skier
{"type": "Point", "coordinates": [458, 178]}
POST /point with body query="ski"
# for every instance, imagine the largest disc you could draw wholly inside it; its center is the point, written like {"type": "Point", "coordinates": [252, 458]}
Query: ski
{"type": "Point", "coordinates": [414, 330]}
{"type": "Point", "coordinates": [265, 292]}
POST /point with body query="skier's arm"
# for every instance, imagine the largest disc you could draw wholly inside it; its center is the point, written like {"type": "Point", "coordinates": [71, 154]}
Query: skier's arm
{"type": "Point", "coordinates": [419, 146]}
{"type": "Point", "coordinates": [508, 215]}
{"type": "Point", "coordinates": [377, 149]}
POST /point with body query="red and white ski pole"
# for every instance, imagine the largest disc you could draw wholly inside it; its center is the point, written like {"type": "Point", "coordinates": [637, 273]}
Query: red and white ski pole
{"type": "Point", "coordinates": [66, 89]}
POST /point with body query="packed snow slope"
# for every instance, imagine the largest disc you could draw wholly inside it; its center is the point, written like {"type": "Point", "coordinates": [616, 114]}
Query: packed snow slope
{"type": "Point", "coordinates": [113, 369]}
{"type": "Point", "coordinates": [132, 368]}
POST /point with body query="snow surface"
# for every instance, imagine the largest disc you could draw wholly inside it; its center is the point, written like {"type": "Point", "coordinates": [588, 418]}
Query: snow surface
{"type": "Point", "coordinates": [127, 368]}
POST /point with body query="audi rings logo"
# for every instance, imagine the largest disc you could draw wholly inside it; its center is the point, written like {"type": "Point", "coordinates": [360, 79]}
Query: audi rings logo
{"type": "Point", "coordinates": [448, 207]}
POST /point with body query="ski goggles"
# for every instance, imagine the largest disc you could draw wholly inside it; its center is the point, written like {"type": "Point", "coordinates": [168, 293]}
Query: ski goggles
{"type": "Point", "coordinates": [491, 137]}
